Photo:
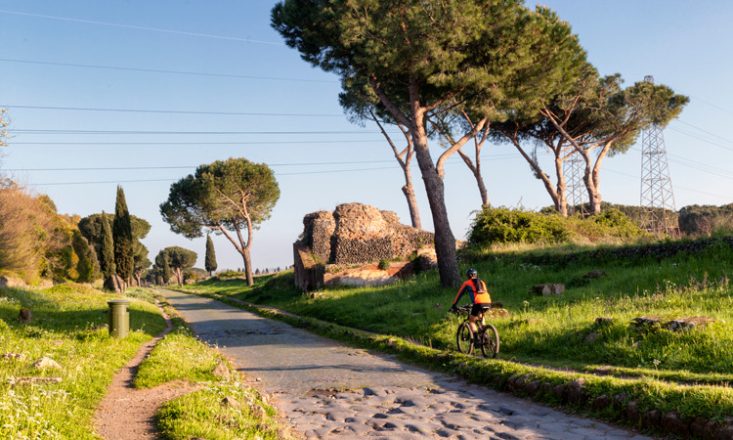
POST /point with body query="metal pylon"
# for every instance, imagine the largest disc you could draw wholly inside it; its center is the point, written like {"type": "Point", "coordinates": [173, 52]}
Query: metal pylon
{"type": "Point", "coordinates": [574, 170]}
{"type": "Point", "coordinates": [657, 197]}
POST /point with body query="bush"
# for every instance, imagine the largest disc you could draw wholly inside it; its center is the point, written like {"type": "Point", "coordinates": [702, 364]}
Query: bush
{"type": "Point", "coordinates": [230, 274]}
{"type": "Point", "coordinates": [503, 225]}
{"type": "Point", "coordinates": [383, 265]}
{"type": "Point", "coordinates": [706, 220]}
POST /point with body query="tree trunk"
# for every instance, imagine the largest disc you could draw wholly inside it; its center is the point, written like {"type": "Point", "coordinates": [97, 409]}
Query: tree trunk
{"type": "Point", "coordinates": [482, 189]}
{"type": "Point", "coordinates": [594, 196]}
{"type": "Point", "coordinates": [445, 242]}
{"type": "Point", "coordinates": [409, 191]}
{"type": "Point", "coordinates": [562, 201]}
{"type": "Point", "coordinates": [248, 267]}
{"type": "Point", "coordinates": [538, 173]}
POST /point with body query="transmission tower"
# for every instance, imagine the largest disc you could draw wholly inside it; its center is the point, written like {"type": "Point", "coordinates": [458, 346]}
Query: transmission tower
{"type": "Point", "coordinates": [574, 170]}
{"type": "Point", "coordinates": [657, 198]}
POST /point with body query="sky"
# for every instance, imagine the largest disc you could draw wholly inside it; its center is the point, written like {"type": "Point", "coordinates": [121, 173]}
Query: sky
{"type": "Point", "coordinates": [255, 98]}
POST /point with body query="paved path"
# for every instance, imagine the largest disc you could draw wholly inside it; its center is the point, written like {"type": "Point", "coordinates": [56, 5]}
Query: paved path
{"type": "Point", "coordinates": [328, 390]}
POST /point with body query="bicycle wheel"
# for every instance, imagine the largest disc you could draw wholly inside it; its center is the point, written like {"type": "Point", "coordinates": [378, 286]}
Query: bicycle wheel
{"type": "Point", "coordinates": [489, 338]}
{"type": "Point", "coordinates": [464, 338]}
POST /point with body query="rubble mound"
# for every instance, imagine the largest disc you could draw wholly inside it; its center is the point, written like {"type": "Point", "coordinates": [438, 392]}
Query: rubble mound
{"type": "Point", "coordinates": [352, 234]}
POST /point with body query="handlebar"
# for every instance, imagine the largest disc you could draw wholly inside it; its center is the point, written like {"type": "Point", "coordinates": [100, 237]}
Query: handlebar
{"type": "Point", "coordinates": [467, 308]}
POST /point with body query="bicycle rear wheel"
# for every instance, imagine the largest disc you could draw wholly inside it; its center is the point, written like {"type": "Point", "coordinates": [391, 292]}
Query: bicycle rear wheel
{"type": "Point", "coordinates": [464, 338]}
{"type": "Point", "coordinates": [489, 341]}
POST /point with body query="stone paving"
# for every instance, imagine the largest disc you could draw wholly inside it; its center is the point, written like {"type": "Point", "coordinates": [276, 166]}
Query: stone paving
{"type": "Point", "coordinates": [331, 391]}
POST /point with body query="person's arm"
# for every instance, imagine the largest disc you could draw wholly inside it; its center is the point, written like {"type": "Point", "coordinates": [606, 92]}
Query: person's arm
{"type": "Point", "coordinates": [460, 293]}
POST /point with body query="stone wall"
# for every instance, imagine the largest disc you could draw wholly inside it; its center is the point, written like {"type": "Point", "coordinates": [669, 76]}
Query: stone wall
{"type": "Point", "coordinates": [353, 234]}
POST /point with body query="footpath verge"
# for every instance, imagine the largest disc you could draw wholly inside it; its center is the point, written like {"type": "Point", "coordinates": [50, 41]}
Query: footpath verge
{"type": "Point", "coordinates": [677, 410]}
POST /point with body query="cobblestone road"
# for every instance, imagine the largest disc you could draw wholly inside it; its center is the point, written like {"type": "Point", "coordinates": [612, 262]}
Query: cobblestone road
{"type": "Point", "coordinates": [327, 390]}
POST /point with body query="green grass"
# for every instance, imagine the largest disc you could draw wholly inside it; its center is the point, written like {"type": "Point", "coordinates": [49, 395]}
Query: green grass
{"type": "Point", "coordinates": [202, 414]}
{"type": "Point", "coordinates": [179, 356]}
{"type": "Point", "coordinates": [69, 325]}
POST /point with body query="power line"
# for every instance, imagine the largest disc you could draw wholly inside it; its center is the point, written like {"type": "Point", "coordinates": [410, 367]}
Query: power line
{"type": "Point", "coordinates": [141, 28]}
{"type": "Point", "coordinates": [621, 173]}
{"type": "Point", "coordinates": [203, 143]}
{"type": "Point", "coordinates": [173, 180]}
{"type": "Point", "coordinates": [166, 71]}
{"type": "Point", "coordinates": [177, 132]}
{"type": "Point", "coordinates": [724, 147]}
{"type": "Point", "coordinates": [704, 131]}
{"type": "Point", "coordinates": [176, 167]}
{"type": "Point", "coordinates": [177, 112]}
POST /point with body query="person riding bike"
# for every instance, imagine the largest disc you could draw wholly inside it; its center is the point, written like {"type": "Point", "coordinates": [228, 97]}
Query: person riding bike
{"type": "Point", "coordinates": [479, 294]}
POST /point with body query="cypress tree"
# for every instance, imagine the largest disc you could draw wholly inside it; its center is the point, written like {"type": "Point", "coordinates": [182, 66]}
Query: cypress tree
{"type": "Point", "coordinates": [107, 251]}
{"type": "Point", "coordinates": [210, 261]}
{"type": "Point", "coordinates": [122, 235]}
{"type": "Point", "coordinates": [165, 270]}
{"type": "Point", "coordinates": [85, 267]}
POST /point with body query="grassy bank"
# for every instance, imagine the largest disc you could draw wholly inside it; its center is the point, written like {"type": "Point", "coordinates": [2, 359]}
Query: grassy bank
{"type": "Point", "coordinates": [69, 326]}
{"type": "Point", "coordinates": [222, 407]}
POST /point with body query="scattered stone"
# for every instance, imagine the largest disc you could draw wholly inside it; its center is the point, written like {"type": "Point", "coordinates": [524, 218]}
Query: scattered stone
{"type": "Point", "coordinates": [603, 321]}
{"type": "Point", "coordinates": [258, 379]}
{"type": "Point", "coordinates": [632, 411]}
{"type": "Point", "coordinates": [230, 401]}
{"type": "Point", "coordinates": [576, 392]}
{"type": "Point", "coordinates": [380, 416]}
{"type": "Point", "coordinates": [25, 315]}
{"type": "Point", "coordinates": [672, 422]}
{"type": "Point", "coordinates": [594, 274]}
{"type": "Point", "coordinates": [6, 281]}
{"type": "Point", "coordinates": [13, 356]}
{"type": "Point", "coordinates": [426, 259]}
{"type": "Point", "coordinates": [601, 402]}
{"type": "Point", "coordinates": [222, 371]}
{"type": "Point", "coordinates": [46, 363]}
{"type": "Point", "coordinates": [646, 323]}
{"type": "Point", "coordinates": [548, 289]}
{"type": "Point", "coordinates": [651, 418]}
{"type": "Point", "coordinates": [14, 381]}
{"type": "Point", "coordinates": [689, 323]}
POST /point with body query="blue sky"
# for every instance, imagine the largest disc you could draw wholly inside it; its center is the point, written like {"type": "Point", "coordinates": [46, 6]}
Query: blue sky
{"type": "Point", "coordinates": [683, 44]}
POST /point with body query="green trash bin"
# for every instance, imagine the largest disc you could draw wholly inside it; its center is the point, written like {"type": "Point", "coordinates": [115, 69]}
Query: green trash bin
{"type": "Point", "coordinates": [119, 318]}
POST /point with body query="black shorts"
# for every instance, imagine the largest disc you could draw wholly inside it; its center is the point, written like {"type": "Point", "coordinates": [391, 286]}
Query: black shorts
{"type": "Point", "coordinates": [478, 309]}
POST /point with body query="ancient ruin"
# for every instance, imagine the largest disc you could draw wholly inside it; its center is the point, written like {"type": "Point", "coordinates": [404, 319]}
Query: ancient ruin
{"type": "Point", "coordinates": [350, 238]}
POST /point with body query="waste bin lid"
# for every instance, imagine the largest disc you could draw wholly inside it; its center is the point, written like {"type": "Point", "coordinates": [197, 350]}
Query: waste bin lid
{"type": "Point", "coordinates": [118, 301]}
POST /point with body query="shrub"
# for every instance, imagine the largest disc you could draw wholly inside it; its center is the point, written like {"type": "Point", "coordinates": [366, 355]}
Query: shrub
{"type": "Point", "coordinates": [383, 265]}
{"type": "Point", "coordinates": [706, 219]}
{"type": "Point", "coordinates": [503, 225]}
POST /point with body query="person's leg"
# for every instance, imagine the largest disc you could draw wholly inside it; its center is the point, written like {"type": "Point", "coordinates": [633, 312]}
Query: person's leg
{"type": "Point", "coordinates": [472, 322]}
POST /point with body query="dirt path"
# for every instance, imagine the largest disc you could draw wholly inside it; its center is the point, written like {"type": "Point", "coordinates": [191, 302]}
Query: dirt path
{"type": "Point", "coordinates": [328, 390]}
{"type": "Point", "coordinates": [127, 413]}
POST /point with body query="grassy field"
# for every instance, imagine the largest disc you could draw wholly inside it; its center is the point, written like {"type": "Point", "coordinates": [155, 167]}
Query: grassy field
{"type": "Point", "coordinates": [626, 375]}
{"type": "Point", "coordinates": [204, 413]}
{"type": "Point", "coordinates": [69, 326]}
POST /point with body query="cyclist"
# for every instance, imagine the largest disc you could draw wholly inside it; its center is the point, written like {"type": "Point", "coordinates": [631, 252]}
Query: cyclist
{"type": "Point", "coordinates": [479, 295]}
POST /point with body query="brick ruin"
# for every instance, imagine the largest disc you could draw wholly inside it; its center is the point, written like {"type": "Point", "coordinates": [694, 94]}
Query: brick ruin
{"type": "Point", "coordinates": [352, 234]}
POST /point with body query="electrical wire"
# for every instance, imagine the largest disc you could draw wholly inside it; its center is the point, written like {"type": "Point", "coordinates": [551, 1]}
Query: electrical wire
{"type": "Point", "coordinates": [175, 112]}
{"type": "Point", "coordinates": [165, 71]}
{"type": "Point", "coordinates": [141, 28]}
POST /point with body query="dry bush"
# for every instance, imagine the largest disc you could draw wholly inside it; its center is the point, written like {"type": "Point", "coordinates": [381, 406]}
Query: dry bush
{"type": "Point", "coordinates": [34, 240]}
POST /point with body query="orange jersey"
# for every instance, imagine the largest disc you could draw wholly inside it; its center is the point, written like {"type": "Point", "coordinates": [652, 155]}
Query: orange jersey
{"type": "Point", "coordinates": [476, 290]}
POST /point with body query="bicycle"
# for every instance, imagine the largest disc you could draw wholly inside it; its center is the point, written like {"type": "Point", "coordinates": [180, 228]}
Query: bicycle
{"type": "Point", "coordinates": [487, 336]}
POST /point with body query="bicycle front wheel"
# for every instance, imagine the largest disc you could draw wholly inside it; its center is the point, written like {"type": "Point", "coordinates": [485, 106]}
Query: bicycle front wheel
{"type": "Point", "coordinates": [464, 338]}
{"type": "Point", "coordinates": [489, 340]}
